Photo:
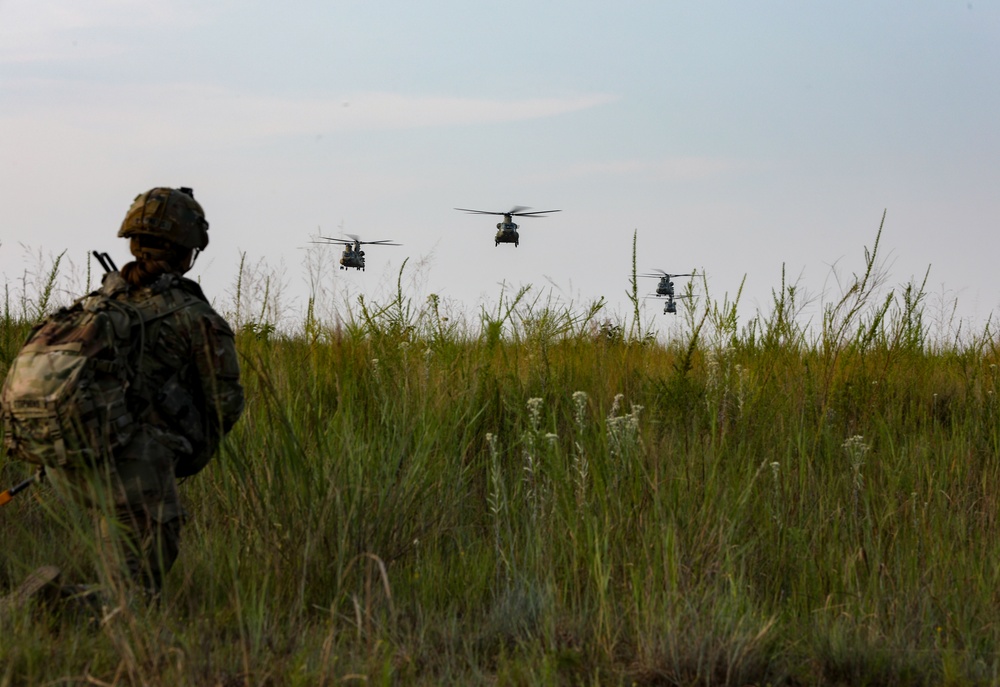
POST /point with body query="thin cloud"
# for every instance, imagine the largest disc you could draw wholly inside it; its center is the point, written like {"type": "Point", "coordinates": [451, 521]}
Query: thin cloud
{"type": "Point", "coordinates": [670, 169]}
{"type": "Point", "coordinates": [34, 31]}
{"type": "Point", "coordinates": [389, 110]}
{"type": "Point", "coordinates": [183, 112]}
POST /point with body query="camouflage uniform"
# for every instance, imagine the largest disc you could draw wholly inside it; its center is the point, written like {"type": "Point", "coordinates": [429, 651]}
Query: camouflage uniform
{"type": "Point", "coordinates": [188, 396]}
{"type": "Point", "coordinates": [185, 396]}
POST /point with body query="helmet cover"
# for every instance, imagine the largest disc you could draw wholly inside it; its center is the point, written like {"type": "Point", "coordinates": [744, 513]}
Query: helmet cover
{"type": "Point", "coordinates": [169, 214]}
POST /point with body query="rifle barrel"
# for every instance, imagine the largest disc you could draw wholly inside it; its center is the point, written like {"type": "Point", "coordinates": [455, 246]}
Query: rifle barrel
{"type": "Point", "coordinates": [106, 262]}
{"type": "Point", "coordinates": [8, 495]}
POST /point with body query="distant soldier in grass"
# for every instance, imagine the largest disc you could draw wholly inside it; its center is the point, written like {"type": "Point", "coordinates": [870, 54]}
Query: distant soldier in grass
{"type": "Point", "coordinates": [183, 392]}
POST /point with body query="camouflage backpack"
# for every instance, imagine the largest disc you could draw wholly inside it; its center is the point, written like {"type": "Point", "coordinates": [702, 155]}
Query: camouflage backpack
{"type": "Point", "coordinates": [66, 399]}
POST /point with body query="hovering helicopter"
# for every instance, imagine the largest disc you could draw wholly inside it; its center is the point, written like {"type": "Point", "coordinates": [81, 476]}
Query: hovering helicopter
{"type": "Point", "coordinates": [507, 230]}
{"type": "Point", "coordinates": [665, 287]}
{"type": "Point", "coordinates": [353, 256]}
{"type": "Point", "coordinates": [670, 306]}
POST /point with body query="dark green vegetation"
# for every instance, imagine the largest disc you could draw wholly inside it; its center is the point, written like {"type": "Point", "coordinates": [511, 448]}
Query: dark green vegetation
{"type": "Point", "coordinates": [541, 500]}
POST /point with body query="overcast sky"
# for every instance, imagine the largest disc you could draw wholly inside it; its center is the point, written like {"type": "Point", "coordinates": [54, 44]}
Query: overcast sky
{"type": "Point", "coordinates": [734, 138]}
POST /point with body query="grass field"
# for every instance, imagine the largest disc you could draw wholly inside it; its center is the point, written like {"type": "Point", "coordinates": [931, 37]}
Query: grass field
{"type": "Point", "coordinates": [534, 498]}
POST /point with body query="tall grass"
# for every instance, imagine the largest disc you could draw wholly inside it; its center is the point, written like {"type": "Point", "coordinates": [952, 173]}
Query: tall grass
{"type": "Point", "coordinates": [534, 499]}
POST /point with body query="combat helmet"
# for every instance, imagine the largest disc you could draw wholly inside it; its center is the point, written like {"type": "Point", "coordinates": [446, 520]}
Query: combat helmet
{"type": "Point", "coordinates": [167, 214]}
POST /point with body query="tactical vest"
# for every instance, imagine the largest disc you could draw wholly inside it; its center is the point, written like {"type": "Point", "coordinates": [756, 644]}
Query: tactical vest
{"type": "Point", "coordinates": [73, 393]}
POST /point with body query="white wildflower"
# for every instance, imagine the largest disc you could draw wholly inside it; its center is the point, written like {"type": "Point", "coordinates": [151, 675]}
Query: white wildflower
{"type": "Point", "coordinates": [615, 405]}
{"type": "Point", "coordinates": [580, 408]}
{"type": "Point", "coordinates": [856, 448]}
{"type": "Point", "coordinates": [535, 412]}
{"type": "Point", "coordinates": [712, 369]}
{"type": "Point", "coordinates": [623, 431]}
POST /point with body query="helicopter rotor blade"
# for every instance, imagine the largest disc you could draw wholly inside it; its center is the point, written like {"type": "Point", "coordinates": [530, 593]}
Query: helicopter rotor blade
{"type": "Point", "coordinates": [536, 213]}
{"type": "Point", "coordinates": [669, 274]}
{"type": "Point", "coordinates": [516, 211]}
{"type": "Point", "coordinates": [357, 239]}
{"type": "Point", "coordinates": [481, 212]}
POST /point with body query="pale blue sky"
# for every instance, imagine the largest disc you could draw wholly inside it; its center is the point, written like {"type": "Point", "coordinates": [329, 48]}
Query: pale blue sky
{"type": "Point", "coordinates": [733, 137]}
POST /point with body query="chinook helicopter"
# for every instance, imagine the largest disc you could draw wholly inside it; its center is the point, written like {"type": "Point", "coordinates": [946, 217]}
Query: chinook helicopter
{"type": "Point", "coordinates": [353, 256]}
{"type": "Point", "coordinates": [665, 287]}
{"type": "Point", "coordinates": [670, 306]}
{"type": "Point", "coordinates": [507, 230]}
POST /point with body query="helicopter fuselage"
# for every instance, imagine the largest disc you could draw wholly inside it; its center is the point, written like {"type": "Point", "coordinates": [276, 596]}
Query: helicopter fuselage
{"type": "Point", "coordinates": [665, 287]}
{"type": "Point", "coordinates": [507, 233]}
{"type": "Point", "coordinates": [352, 257]}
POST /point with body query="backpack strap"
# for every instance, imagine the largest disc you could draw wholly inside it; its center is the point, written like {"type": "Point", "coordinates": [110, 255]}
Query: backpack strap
{"type": "Point", "coordinates": [163, 301]}
{"type": "Point", "coordinates": [113, 283]}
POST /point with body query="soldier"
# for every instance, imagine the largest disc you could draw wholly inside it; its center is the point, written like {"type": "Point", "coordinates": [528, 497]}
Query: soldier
{"type": "Point", "coordinates": [186, 393]}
